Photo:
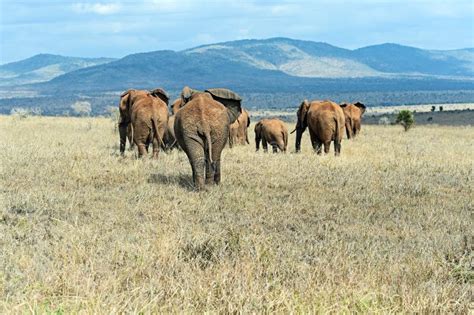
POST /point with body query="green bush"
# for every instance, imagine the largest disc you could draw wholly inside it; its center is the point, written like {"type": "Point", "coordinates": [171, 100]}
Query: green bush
{"type": "Point", "coordinates": [406, 119]}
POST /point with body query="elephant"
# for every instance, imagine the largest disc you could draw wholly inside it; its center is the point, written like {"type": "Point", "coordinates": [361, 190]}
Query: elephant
{"type": "Point", "coordinates": [325, 121]}
{"type": "Point", "coordinates": [176, 105]}
{"type": "Point", "coordinates": [169, 139]}
{"type": "Point", "coordinates": [353, 116]}
{"type": "Point", "coordinates": [238, 130]}
{"type": "Point", "coordinates": [202, 128]}
{"type": "Point", "coordinates": [272, 131]}
{"type": "Point", "coordinates": [147, 113]}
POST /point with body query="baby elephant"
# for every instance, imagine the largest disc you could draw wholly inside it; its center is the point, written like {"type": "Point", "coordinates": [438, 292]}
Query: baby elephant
{"type": "Point", "coordinates": [272, 131]}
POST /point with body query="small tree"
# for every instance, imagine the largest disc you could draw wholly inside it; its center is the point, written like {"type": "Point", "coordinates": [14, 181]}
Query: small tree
{"type": "Point", "coordinates": [82, 108]}
{"type": "Point", "coordinates": [433, 108]}
{"type": "Point", "coordinates": [406, 119]}
{"type": "Point", "coordinates": [441, 108]}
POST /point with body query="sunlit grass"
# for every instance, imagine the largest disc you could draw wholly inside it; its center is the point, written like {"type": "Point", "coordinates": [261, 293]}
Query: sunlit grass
{"type": "Point", "coordinates": [386, 227]}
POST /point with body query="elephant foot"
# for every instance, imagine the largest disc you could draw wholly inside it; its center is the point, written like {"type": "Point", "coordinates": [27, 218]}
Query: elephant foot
{"type": "Point", "coordinates": [199, 183]}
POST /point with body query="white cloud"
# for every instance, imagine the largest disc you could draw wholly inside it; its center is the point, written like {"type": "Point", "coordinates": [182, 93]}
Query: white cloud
{"type": "Point", "coordinates": [97, 8]}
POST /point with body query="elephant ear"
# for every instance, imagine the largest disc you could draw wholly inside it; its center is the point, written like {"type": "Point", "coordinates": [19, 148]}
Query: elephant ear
{"type": "Point", "coordinates": [302, 112]}
{"type": "Point", "coordinates": [161, 94]}
{"type": "Point", "coordinates": [361, 106]}
{"type": "Point", "coordinates": [186, 94]}
{"type": "Point", "coordinates": [231, 100]}
{"type": "Point", "coordinates": [124, 106]}
{"type": "Point", "coordinates": [248, 119]}
{"type": "Point", "coordinates": [125, 100]}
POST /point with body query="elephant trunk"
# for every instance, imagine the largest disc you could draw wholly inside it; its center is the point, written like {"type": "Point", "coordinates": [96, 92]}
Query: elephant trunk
{"type": "Point", "coordinates": [299, 134]}
{"type": "Point", "coordinates": [123, 136]}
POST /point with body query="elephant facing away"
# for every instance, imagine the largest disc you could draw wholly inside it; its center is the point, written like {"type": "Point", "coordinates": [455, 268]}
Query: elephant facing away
{"type": "Point", "coordinates": [238, 130]}
{"type": "Point", "coordinates": [273, 132]}
{"type": "Point", "coordinates": [325, 122]}
{"type": "Point", "coordinates": [353, 116]}
{"type": "Point", "coordinates": [202, 129]}
{"type": "Point", "coordinates": [147, 113]}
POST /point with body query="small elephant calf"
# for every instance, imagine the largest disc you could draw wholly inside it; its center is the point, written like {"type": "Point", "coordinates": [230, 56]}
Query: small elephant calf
{"type": "Point", "coordinates": [272, 131]}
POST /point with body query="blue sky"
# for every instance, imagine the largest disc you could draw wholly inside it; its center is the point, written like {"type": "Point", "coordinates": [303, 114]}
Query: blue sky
{"type": "Point", "coordinates": [116, 28]}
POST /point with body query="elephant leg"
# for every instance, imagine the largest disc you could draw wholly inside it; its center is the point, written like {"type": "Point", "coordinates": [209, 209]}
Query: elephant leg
{"type": "Point", "coordinates": [210, 172]}
{"type": "Point", "coordinates": [217, 172]}
{"type": "Point", "coordinates": [281, 145]}
{"type": "Point", "coordinates": [156, 148]}
{"type": "Point", "coordinates": [318, 147]}
{"type": "Point", "coordinates": [142, 152]}
{"type": "Point", "coordinates": [257, 142]}
{"type": "Point", "coordinates": [327, 145]}
{"type": "Point", "coordinates": [337, 147]}
{"type": "Point", "coordinates": [264, 145]}
{"type": "Point", "coordinates": [357, 128]}
{"type": "Point", "coordinates": [315, 142]}
{"type": "Point", "coordinates": [195, 153]}
{"type": "Point", "coordinates": [348, 130]}
{"type": "Point", "coordinates": [275, 148]}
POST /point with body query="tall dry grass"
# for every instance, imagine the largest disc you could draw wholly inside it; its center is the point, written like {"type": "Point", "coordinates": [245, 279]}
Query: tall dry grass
{"type": "Point", "coordinates": [386, 227]}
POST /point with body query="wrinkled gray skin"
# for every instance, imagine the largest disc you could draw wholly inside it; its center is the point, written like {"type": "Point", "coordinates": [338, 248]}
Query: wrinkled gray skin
{"type": "Point", "coordinates": [202, 128]}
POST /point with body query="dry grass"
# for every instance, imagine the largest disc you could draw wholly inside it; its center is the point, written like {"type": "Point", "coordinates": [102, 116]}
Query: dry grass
{"type": "Point", "coordinates": [387, 227]}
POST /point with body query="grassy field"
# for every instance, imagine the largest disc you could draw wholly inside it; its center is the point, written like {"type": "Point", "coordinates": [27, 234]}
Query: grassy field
{"type": "Point", "coordinates": [386, 227]}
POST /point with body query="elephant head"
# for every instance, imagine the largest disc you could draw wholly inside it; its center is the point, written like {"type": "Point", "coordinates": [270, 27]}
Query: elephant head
{"type": "Point", "coordinates": [361, 106]}
{"type": "Point", "coordinates": [231, 100]}
{"type": "Point", "coordinates": [186, 94]}
{"type": "Point", "coordinates": [161, 94]}
{"type": "Point", "coordinates": [301, 124]}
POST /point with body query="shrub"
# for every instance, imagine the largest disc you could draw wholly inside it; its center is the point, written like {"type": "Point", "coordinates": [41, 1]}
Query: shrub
{"type": "Point", "coordinates": [406, 119]}
{"type": "Point", "coordinates": [22, 112]}
{"type": "Point", "coordinates": [81, 108]}
{"type": "Point", "coordinates": [384, 121]}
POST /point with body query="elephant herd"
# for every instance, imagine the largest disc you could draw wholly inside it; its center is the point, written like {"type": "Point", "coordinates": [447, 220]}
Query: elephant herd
{"type": "Point", "coordinates": [202, 122]}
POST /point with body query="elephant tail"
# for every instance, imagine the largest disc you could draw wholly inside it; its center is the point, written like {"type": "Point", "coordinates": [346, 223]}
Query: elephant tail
{"type": "Point", "coordinates": [208, 146]}
{"type": "Point", "coordinates": [155, 133]}
{"type": "Point", "coordinates": [336, 132]}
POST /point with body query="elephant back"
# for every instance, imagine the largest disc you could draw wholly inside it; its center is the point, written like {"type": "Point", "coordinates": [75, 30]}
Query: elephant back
{"type": "Point", "coordinates": [229, 99]}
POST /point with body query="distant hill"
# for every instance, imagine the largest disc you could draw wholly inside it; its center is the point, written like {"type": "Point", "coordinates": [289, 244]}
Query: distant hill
{"type": "Point", "coordinates": [268, 65]}
{"type": "Point", "coordinates": [43, 67]}
{"type": "Point", "coordinates": [275, 72]}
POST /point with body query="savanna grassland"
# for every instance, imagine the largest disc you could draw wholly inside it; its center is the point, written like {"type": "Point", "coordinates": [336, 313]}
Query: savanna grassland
{"type": "Point", "coordinates": [386, 227]}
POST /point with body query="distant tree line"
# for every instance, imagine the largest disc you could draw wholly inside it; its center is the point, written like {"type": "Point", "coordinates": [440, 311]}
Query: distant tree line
{"type": "Point", "coordinates": [99, 102]}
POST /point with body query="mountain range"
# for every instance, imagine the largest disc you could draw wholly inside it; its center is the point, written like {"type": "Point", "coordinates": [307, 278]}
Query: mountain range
{"type": "Point", "coordinates": [44, 67]}
{"type": "Point", "coordinates": [275, 65]}
{"type": "Point", "coordinates": [258, 62]}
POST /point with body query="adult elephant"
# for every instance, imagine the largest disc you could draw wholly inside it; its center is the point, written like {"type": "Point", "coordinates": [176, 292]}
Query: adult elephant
{"type": "Point", "coordinates": [147, 113]}
{"type": "Point", "coordinates": [273, 132]}
{"type": "Point", "coordinates": [238, 130]}
{"type": "Point", "coordinates": [353, 116]}
{"type": "Point", "coordinates": [202, 129]}
{"type": "Point", "coordinates": [325, 121]}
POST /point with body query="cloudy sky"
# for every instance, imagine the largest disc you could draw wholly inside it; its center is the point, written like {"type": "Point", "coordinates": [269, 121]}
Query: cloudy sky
{"type": "Point", "coordinates": [115, 28]}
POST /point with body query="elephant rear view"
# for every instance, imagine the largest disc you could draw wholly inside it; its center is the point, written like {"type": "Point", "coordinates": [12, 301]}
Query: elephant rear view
{"type": "Point", "coordinates": [202, 129]}
{"type": "Point", "coordinates": [147, 113]}
{"type": "Point", "coordinates": [238, 130]}
{"type": "Point", "coordinates": [272, 131]}
{"type": "Point", "coordinates": [325, 121]}
{"type": "Point", "coordinates": [353, 116]}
